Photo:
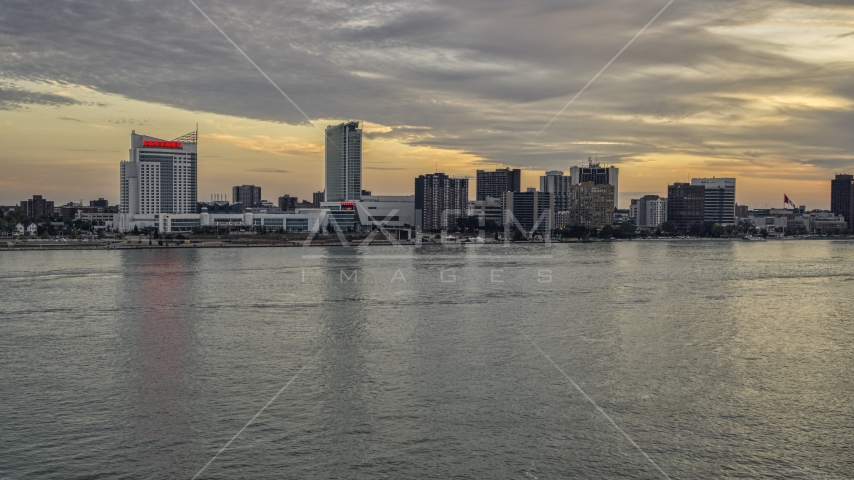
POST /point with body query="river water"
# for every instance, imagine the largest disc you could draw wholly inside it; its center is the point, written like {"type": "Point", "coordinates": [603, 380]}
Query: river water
{"type": "Point", "coordinates": [695, 359]}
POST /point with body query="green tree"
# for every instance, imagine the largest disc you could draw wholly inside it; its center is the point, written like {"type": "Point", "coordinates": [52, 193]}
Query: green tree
{"type": "Point", "coordinates": [606, 232]}
{"type": "Point", "coordinates": [626, 230]}
{"type": "Point", "coordinates": [747, 227]}
{"type": "Point", "coordinates": [697, 229]}
{"type": "Point", "coordinates": [669, 228]}
{"type": "Point", "coordinates": [717, 231]}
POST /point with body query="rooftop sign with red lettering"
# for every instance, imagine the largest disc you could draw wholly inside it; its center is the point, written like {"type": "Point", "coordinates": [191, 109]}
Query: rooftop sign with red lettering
{"type": "Point", "coordinates": [161, 144]}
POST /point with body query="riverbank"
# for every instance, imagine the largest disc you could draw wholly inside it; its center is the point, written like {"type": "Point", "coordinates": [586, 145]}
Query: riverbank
{"type": "Point", "coordinates": [27, 246]}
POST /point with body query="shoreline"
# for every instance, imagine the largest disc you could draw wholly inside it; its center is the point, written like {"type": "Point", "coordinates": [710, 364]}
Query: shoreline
{"type": "Point", "coordinates": [213, 244]}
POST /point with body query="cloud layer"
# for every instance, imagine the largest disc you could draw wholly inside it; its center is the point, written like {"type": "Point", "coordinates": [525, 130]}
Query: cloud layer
{"type": "Point", "coordinates": [755, 85]}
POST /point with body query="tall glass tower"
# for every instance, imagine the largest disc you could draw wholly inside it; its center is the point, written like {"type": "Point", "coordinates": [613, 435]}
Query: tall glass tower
{"type": "Point", "coordinates": [344, 162]}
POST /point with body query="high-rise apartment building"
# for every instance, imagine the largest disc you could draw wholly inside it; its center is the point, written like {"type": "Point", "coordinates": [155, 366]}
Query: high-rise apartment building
{"type": "Point", "coordinates": [741, 211]}
{"type": "Point", "coordinates": [248, 195]}
{"type": "Point", "coordinates": [160, 176]}
{"type": "Point", "coordinates": [343, 162]}
{"type": "Point", "coordinates": [439, 201]}
{"type": "Point", "coordinates": [287, 203]}
{"type": "Point", "coordinates": [494, 184]}
{"type": "Point", "coordinates": [720, 199]}
{"type": "Point", "coordinates": [37, 207]}
{"type": "Point", "coordinates": [558, 185]}
{"type": "Point", "coordinates": [100, 203]}
{"type": "Point", "coordinates": [598, 175]}
{"type": "Point", "coordinates": [590, 205]}
{"type": "Point", "coordinates": [686, 205]}
{"type": "Point", "coordinates": [531, 211]}
{"type": "Point", "coordinates": [651, 212]}
{"type": "Point", "coordinates": [317, 198]}
{"type": "Point", "coordinates": [842, 196]}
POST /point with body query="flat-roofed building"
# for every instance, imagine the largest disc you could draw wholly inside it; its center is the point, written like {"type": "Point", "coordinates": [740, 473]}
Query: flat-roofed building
{"type": "Point", "coordinates": [489, 210]}
{"type": "Point", "coordinates": [842, 196]}
{"type": "Point", "coordinates": [494, 184]}
{"type": "Point", "coordinates": [686, 205]}
{"type": "Point", "coordinates": [343, 162]}
{"type": "Point", "coordinates": [651, 212]}
{"type": "Point", "coordinates": [37, 206]}
{"type": "Point", "coordinates": [248, 195]}
{"type": "Point", "coordinates": [590, 205]}
{"type": "Point", "coordinates": [530, 212]}
{"type": "Point", "coordinates": [439, 201]}
{"type": "Point", "coordinates": [719, 199]}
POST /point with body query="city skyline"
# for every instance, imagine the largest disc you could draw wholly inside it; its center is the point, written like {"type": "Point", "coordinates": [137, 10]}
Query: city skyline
{"type": "Point", "coordinates": [756, 90]}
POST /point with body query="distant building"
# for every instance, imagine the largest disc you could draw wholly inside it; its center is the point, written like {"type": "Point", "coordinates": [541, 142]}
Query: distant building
{"type": "Point", "coordinates": [651, 212]}
{"type": "Point", "coordinates": [37, 206]}
{"type": "Point", "coordinates": [686, 205]}
{"type": "Point", "coordinates": [317, 198]}
{"type": "Point", "coordinates": [366, 193]}
{"type": "Point", "coordinates": [71, 210]}
{"type": "Point", "coordinates": [219, 206]}
{"type": "Point", "coordinates": [741, 211]}
{"type": "Point", "coordinates": [494, 184]}
{"type": "Point", "coordinates": [100, 203]}
{"type": "Point", "coordinates": [532, 212]}
{"type": "Point", "coordinates": [160, 176]}
{"type": "Point", "coordinates": [719, 199]}
{"type": "Point", "coordinates": [842, 196]}
{"type": "Point", "coordinates": [370, 212]}
{"type": "Point", "coordinates": [248, 195]}
{"type": "Point", "coordinates": [486, 210]}
{"type": "Point", "coordinates": [598, 175]}
{"type": "Point", "coordinates": [590, 205]}
{"type": "Point", "coordinates": [343, 162]}
{"type": "Point", "coordinates": [96, 218]}
{"type": "Point", "coordinates": [558, 185]}
{"type": "Point", "coordinates": [287, 203]}
{"type": "Point", "coordinates": [439, 201]}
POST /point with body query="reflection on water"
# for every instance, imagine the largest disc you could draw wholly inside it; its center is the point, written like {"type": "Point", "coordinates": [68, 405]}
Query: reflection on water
{"type": "Point", "coordinates": [159, 322]}
{"type": "Point", "coordinates": [720, 359]}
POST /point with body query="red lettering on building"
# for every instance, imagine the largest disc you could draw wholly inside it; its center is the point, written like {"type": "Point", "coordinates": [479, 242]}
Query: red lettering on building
{"type": "Point", "coordinates": [160, 144]}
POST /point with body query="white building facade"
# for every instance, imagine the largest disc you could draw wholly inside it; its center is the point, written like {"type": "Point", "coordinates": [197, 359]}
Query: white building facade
{"type": "Point", "coordinates": [720, 199]}
{"type": "Point", "coordinates": [160, 176]}
{"type": "Point", "coordinates": [313, 221]}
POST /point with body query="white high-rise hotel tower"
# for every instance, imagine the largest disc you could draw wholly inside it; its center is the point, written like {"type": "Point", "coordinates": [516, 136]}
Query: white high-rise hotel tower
{"type": "Point", "coordinates": [160, 176]}
{"type": "Point", "coordinates": [344, 162]}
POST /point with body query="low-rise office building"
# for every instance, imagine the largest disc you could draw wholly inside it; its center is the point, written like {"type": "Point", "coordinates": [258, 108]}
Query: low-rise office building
{"type": "Point", "coordinates": [487, 210]}
{"type": "Point", "coordinates": [312, 222]}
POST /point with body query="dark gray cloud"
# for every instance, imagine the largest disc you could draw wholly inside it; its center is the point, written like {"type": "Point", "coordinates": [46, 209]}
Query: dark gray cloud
{"type": "Point", "coordinates": [480, 76]}
{"type": "Point", "coordinates": [13, 98]}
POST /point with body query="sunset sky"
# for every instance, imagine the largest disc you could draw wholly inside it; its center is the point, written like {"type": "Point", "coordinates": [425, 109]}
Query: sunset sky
{"type": "Point", "coordinates": [759, 90]}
